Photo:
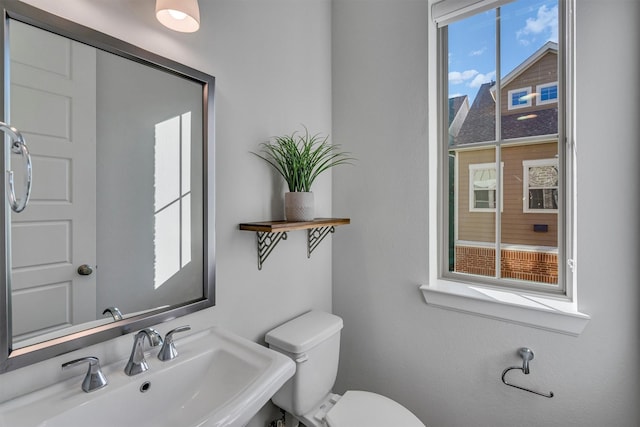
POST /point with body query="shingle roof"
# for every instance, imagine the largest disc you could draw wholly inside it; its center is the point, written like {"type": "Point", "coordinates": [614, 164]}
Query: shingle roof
{"type": "Point", "coordinates": [454, 106]}
{"type": "Point", "coordinates": [541, 122]}
{"type": "Point", "coordinates": [480, 122]}
{"type": "Point", "coordinates": [479, 125]}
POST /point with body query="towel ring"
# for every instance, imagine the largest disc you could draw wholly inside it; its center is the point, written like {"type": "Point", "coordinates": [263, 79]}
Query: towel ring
{"type": "Point", "coordinates": [527, 355]}
{"type": "Point", "coordinates": [18, 146]}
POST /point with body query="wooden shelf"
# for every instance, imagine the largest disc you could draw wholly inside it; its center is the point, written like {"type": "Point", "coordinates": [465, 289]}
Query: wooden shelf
{"type": "Point", "coordinates": [269, 233]}
{"type": "Point", "coordinates": [279, 226]}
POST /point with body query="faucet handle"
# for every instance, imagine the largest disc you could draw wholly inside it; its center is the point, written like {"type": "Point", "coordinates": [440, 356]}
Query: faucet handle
{"type": "Point", "coordinates": [94, 379]}
{"type": "Point", "coordinates": [168, 350]}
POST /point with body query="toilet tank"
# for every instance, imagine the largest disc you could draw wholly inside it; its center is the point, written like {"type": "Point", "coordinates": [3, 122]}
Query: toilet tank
{"type": "Point", "coordinates": [313, 342]}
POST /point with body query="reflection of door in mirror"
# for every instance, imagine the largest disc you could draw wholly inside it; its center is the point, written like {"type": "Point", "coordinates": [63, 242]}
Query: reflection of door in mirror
{"type": "Point", "coordinates": [53, 90]}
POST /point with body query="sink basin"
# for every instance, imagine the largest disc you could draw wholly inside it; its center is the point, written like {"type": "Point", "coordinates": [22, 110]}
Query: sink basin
{"type": "Point", "coordinates": [218, 379]}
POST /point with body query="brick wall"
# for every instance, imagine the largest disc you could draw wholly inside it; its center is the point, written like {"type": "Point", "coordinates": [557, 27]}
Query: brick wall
{"type": "Point", "coordinates": [532, 266]}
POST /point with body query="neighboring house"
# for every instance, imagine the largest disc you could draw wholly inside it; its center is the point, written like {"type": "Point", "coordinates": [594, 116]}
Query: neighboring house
{"type": "Point", "coordinates": [458, 111]}
{"type": "Point", "coordinates": [529, 175]}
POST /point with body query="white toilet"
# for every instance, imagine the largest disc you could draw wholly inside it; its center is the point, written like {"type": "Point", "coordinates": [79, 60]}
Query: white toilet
{"type": "Point", "coordinates": [313, 342]}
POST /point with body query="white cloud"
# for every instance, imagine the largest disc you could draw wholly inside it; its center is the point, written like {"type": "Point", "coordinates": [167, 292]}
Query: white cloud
{"type": "Point", "coordinates": [471, 78]}
{"type": "Point", "coordinates": [480, 79]}
{"type": "Point", "coordinates": [478, 52]}
{"type": "Point", "coordinates": [545, 23]}
{"type": "Point", "coordinates": [457, 77]}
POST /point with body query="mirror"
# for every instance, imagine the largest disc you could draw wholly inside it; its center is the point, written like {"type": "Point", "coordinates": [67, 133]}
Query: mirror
{"type": "Point", "coordinates": [115, 235]}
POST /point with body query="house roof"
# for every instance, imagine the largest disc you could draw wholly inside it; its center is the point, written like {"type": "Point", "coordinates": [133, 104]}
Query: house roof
{"type": "Point", "coordinates": [480, 122]}
{"type": "Point", "coordinates": [454, 106]}
{"type": "Point", "coordinates": [479, 125]}
{"type": "Point", "coordinates": [541, 122]}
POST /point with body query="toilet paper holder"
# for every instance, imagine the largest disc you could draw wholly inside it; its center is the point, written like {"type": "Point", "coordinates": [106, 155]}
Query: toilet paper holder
{"type": "Point", "coordinates": [527, 355]}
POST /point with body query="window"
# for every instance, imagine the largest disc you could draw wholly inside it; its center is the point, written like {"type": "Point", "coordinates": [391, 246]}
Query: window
{"type": "Point", "coordinates": [540, 185]}
{"type": "Point", "coordinates": [516, 263]}
{"type": "Point", "coordinates": [482, 185]}
{"type": "Point", "coordinates": [519, 98]}
{"type": "Point", "coordinates": [502, 127]}
{"type": "Point", "coordinates": [547, 93]}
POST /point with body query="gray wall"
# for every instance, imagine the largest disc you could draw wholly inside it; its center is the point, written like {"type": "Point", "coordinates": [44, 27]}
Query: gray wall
{"type": "Point", "coordinates": [131, 100]}
{"type": "Point", "coordinates": [443, 365]}
{"type": "Point", "coordinates": [272, 63]}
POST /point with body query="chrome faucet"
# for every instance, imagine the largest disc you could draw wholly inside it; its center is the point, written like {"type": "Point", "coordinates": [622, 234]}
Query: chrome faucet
{"type": "Point", "coordinates": [94, 379]}
{"type": "Point", "coordinates": [137, 363]}
{"type": "Point", "coordinates": [168, 350]}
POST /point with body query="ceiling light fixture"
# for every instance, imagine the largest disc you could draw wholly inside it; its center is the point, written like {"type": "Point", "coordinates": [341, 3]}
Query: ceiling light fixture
{"type": "Point", "coordinates": [179, 15]}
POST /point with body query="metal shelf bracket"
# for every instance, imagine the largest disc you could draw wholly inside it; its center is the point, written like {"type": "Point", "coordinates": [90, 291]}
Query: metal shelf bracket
{"type": "Point", "coordinates": [267, 241]}
{"type": "Point", "coordinates": [315, 236]}
{"type": "Point", "coordinates": [269, 233]}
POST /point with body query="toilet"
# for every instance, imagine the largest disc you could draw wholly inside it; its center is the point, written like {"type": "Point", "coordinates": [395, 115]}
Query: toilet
{"type": "Point", "coordinates": [312, 340]}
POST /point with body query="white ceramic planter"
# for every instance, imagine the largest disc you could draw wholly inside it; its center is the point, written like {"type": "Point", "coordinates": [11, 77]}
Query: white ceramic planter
{"type": "Point", "coordinates": [298, 206]}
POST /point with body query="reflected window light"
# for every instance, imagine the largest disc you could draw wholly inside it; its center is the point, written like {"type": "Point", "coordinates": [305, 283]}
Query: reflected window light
{"type": "Point", "coordinates": [527, 117]}
{"type": "Point", "coordinates": [172, 202]}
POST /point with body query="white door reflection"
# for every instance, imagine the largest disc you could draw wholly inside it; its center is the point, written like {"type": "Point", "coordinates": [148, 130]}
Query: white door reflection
{"type": "Point", "coordinates": [172, 197]}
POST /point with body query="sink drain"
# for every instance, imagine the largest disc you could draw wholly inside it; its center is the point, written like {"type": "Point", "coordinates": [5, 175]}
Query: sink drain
{"type": "Point", "coordinates": [145, 387]}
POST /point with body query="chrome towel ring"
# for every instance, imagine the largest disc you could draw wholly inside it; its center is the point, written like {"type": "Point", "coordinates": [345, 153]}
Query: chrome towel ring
{"type": "Point", "coordinates": [18, 146]}
{"type": "Point", "coordinates": [527, 355]}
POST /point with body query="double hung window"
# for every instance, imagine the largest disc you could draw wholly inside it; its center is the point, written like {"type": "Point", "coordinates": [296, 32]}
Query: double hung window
{"type": "Point", "coordinates": [500, 79]}
{"type": "Point", "coordinates": [504, 58]}
{"type": "Point", "coordinates": [482, 185]}
{"type": "Point", "coordinates": [540, 185]}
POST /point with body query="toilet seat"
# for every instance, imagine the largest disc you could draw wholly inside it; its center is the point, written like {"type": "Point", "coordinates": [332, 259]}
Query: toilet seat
{"type": "Point", "coordinates": [366, 409]}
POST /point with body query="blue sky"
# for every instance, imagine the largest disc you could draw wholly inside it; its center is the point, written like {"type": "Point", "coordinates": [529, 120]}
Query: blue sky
{"type": "Point", "coordinates": [526, 25]}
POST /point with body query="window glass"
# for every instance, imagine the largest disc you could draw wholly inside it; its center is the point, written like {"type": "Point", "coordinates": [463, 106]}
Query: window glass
{"type": "Point", "coordinates": [541, 185]}
{"type": "Point", "coordinates": [548, 93]}
{"type": "Point", "coordinates": [503, 110]}
{"type": "Point", "coordinates": [472, 74]}
{"type": "Point", "coordinates": [519, 98]}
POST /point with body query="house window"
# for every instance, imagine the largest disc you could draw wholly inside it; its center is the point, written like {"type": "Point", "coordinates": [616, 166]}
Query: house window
{"type": "Point", "coordinates": [482, 185]}
{"type": "Point", "coordinates": [547, 93]}
{"type": "Point", "coordinates": [519, 98]}
{"type": "Point", "coordinates": [504, 264]}
{"type": "Point", "coordinates": [492, 59]}
{"type": "Point", "coordinates": [540, 186]}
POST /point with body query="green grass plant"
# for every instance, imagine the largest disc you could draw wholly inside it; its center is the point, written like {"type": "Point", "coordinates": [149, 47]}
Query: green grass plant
{"type": "Point", "coordinates": [301, 157]}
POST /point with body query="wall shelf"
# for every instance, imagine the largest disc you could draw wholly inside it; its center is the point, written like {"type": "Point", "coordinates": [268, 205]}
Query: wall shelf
{"type": "Point", "coordinates": [270, 233]}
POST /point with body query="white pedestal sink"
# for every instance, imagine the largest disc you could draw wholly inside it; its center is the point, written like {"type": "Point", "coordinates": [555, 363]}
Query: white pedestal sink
{"type": "Point", "coordinates": [218, 379]}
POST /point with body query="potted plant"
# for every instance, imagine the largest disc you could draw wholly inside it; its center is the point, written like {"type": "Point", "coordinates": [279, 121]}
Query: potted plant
{"type": "Point", "coordinates": [300, 158]}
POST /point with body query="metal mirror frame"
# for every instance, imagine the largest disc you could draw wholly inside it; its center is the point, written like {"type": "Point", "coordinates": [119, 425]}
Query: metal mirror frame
{"type": "Point", "coordinates": [13, 359]}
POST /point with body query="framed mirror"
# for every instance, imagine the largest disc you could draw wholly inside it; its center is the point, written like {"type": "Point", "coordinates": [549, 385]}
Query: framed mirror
{"type": "Point", "coordinates": [116, 236]}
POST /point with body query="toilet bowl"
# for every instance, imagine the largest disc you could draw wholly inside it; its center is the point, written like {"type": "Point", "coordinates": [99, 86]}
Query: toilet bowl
{"type": "Point", "coordinates": [313, 342]}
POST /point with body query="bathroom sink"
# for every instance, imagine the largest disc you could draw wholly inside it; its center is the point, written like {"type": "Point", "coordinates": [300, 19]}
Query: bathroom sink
{"type": "Point", "coordinates": [218, 379]}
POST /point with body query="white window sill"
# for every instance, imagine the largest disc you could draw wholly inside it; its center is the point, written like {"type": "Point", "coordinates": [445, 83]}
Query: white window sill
{"type": "Point", "coordinates": [512, 306]}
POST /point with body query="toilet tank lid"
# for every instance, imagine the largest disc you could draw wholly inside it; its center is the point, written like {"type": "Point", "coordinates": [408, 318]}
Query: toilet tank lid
{"type": "Point", "coordinates": [304, 332]}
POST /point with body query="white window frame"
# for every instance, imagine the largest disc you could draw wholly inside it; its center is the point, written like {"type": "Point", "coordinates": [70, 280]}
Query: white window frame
{"type": "Point", "coordinates": [472, 199]}
{"type": "Point", "coordinates": [526, 164]}
{"type": "Point", "coordinates": [511, 105]}
{"type": "Point", "coordinates": [548, 312]}
{"type": "Point", "coordinates": [539, 88]}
